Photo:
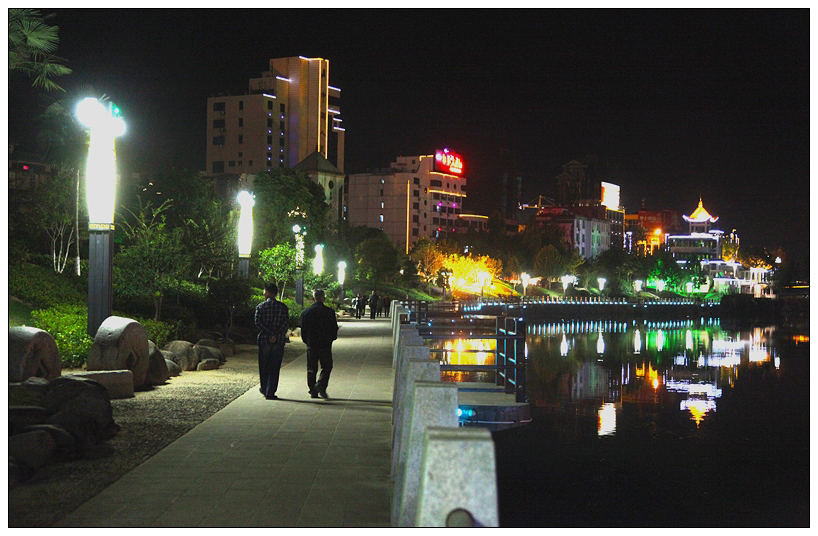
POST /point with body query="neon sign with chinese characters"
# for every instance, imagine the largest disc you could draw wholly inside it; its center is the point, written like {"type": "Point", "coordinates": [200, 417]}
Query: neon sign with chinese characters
{"type": "Point", "coordinates": [448, 162]}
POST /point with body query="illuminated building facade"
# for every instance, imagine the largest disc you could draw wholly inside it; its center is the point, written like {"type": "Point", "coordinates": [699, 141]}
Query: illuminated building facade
{"type": "Point", "coordinates": [418, 196]}
{"type": "Point", "coordinates": [701, 244]}
{"type": "Point", "coordinates": [289, 113]}
{"type": "Point", "coordinates": [26, 170]}
{"type": "Point", "coordinates": [589, 236]}
{"type": "Point", "coordinates": [646, 231]}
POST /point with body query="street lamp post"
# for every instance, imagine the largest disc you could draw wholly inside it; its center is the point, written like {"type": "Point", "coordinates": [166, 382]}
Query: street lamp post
{"type": "Point", "coordinates": [525, 279]}
{"type": "Point", "coordinates": [318, 262]}
{"type": "Point", "coordinates": [299, 263]}
{"type": "Point", "coordinates": [100, 179]}
{"type": "Point", "coordinates": [246, 201]}
{"type": "Point", "coordinates": [341, 276]}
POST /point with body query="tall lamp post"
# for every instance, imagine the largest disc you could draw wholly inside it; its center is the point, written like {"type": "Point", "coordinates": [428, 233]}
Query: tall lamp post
{"type": "Point", "coordinates": [299, 263]}
{"type": "Point", "coordinates": [525, 279]}
{"type": "Point", "coordinates": [247, 202]}
{"type": "Point", "coordinates": [318, 262]}
{"type": "Point", "coordinates": [342, 266]}
{"type": "Point", "coordinates": [100, 180]}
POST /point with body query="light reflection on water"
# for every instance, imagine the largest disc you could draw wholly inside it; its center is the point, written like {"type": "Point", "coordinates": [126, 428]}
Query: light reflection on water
{"type": "Point", "coordinates": [608, 364]}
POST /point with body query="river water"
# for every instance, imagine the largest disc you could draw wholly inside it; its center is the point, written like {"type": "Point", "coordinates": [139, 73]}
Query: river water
{"type": "Point", "coordinates": [660, 424]}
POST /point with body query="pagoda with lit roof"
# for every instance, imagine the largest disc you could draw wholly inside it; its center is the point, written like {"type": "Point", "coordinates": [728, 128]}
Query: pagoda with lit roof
{"type": "Point", "coordinates": [702, 243]}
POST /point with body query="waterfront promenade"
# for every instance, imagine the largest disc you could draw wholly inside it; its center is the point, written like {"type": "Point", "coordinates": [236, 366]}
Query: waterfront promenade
{"type": "Point", "coordinates": [292, 462]}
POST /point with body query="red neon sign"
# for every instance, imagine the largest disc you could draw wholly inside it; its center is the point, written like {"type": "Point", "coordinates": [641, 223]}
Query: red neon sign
{"type": "Point", "coordinates": [448, 162]}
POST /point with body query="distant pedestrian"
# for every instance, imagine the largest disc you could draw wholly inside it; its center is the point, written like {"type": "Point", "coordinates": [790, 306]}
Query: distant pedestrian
{"type": "Point", "coordinates": [272, 319]}
{"type": "Point", "coordinates": [319, 327]}
{"type": "Point", "coordinates": [386, 302]}
{"type": "Point", "coordinates": [373, 305]}
{"type": "Point", "coordinates": [361, 306]}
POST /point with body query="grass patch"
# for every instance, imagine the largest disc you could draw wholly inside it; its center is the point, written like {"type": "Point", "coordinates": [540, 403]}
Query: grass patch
{"type": "Point", "coordinates": [19, 313]}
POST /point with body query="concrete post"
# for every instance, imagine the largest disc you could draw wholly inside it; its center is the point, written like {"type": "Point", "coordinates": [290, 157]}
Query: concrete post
{"type": "Point", "coordinates": [431, 404]}
{"type": "Point", "coordinates": [458, 471]}
{"type": "Point", "coordinates": [416, 370]}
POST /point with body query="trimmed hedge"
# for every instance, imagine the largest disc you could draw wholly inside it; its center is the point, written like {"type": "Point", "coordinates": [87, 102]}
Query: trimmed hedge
{"type": "Point", "coordinates": [42, 288]}
{"type": "Point", "coordinates": [68, 325]}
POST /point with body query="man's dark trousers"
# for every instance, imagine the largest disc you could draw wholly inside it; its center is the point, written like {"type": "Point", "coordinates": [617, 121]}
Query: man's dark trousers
{"type": "Point", "coordinates": [270, 357]}
{"type": "Point", "coordinates": [316, 356]}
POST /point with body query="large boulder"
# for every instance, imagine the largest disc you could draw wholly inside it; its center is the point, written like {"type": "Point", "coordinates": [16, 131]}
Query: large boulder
{"type": "Point", "coordinates": [118, 383]}
{"type": "Point", "coordinates": [32, 449]}
{"type": "Point", "coordinates": [21, 417]}
{"type": "Point", "coordinates": [209, 352]}
{"type": "Point", "coordinates": [208, 364]}
{"type": "Point", "coordinates": [121, 343]}
{"type": "Point", "coordinates": [32, 353]}
{"type": "Point", "coordinates": [173, 368]}
{"type": "Point", "coordinates": [227, 346]}
{"type": "Point", "coordinates": [157, 367]}
{"type": "Point", "coordinates": [184, 354]}
{"type": "Point", "coordinates": [82, 407]}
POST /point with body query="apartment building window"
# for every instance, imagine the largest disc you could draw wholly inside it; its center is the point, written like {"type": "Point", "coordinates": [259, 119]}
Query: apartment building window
{"type": "Point", "coordinates": [218, 167]}
{"type": "Point", "coordinates": [269, 156]}
{"type": "Point", "coordinates": [241, 105]}
{"type": "Point", "coordinates": [381, 204]}
{"type": "Point", "coordinates": [241, 154]}
{"type": "Point", "coordinates": [415, 219]}
{"type": "Point", "coordinates": [417, 180]}
{"type": "Point", "coordinates": [281, 126]}
{"type": "Point", "coordinates": [416, 206]}
{"type": "Point", "coordinates": [218, 140]}
{"type": "Point", "coordinates": [435, 196]}
{"type": "Point", "coordinates": [231, 163]}
{"type": "Point", "coordinates": [381, 192]}
{"type": "Point", "coordinates": [249, 162]}
{"type": "Point", "coordinates": [380, 218]}
{"type": "Point", "coordinates": [415, 193]}
{"type": "Point", "coordinates": [218, 123]}
{"type": "Point", "coordinates": [241, 139]}
{"type": "Point", "coordinates": [435, 182]}
{"type": "Point", "coordinates": [269, 105]}
{"type": "Point", "coordinates": [281, 142]}
{"type": "Point", "coordinates": [218, 106]}
{"type": "Point", "coordinates": [281, 107]}
{"type": "Point", "coordinates": [415, 232]}
{"type": "Point", "coordinates": [241, 121]}
{"type": "Point", "coordinates": [269, 123]}
{"type": "Point", "coordinates": [239, 163]}
{"type": "Point", "coordinates": [269, 140]}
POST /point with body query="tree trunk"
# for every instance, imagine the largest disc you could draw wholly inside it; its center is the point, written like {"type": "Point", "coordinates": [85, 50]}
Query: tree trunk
{"type": "Point", "coordinates": [77, 224]}
{"type": "Point", "coordinates": [157, 304]}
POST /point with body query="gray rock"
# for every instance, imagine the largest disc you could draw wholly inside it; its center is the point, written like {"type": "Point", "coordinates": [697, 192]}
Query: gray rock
{"type": "Point", "coordinates": [32, 352]}
{"type": "Point", "coordinates": [121, 343]}
{"type": "Point", "coordinates": [118, 383]}
{"type": "Point", "coordinates": [209, 352]}
{"type": "Point", "coordinates": [22, 416]}
{"type": "Point", "coordinates": [65, 442]}
{"type": "Point", "coordinates": [209, 364]}
{"type": "Point", "coordinates": [27, 393]}
{"type": "Point", "coordinates": [82, 407]}
{"type": "Point", "coordinates": [157, 368]}
{"type": "Point", "coordinates": [207, 342]}
{"type": "Point", "coordinates": [184, 354]}
{"type": "Point", "coordinates": [173, 368]}
{"type": "Point", "coordinates": [18, 473]}
{"type": "Point", "coordinates": [32, 449]}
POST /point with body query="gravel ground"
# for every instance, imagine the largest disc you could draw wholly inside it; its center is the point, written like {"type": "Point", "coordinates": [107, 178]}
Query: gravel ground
{"type": "Point", "coordinates": [150, 421]}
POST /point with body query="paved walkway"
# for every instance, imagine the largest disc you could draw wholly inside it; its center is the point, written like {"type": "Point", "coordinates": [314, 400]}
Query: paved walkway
{"type": "Point", "coordinates": [292, 462]}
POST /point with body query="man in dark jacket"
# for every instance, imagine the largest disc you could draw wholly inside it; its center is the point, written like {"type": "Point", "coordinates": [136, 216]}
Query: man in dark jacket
{"type": "Point", "coordinates": [319, 327]}
{"type": "Point", "coordinates": [373, 305]}
{"type": "Point", "coordinates": [272, 319]}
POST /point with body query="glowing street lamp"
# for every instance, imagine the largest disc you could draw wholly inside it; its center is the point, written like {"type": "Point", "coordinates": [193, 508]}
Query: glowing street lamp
{"type": "Point", "coordinates": [318, 263]}
{"type": "Point", "coordinates": [100, 180]}
{"type": "Point", "coordinates": [567, 280]}
{"type": "Point", "coordinates": [660, 285]}
{"type": "Point", "coordinates": [342, 266]}
{"type": "Point", "coordinates": [601, 281]}
{"type": "Point", "coordinates": [525, 279]}
{"type": "Point", "coordinates": [246, 202]}
{"type": "Point", "coordinates": [637, 285]}
{"type": "Point", "coordinates": [299, 263]}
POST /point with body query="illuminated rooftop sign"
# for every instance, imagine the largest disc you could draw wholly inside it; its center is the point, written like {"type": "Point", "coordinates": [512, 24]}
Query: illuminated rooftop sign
{"type": "Point", "coordinates": [610, 195]}
{"type": "Point", "coordinates": [448, 162]}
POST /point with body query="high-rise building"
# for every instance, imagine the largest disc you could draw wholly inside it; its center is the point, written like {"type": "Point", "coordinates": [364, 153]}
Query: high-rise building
{"type": "Point", "coordinates": [289, 113]}
{"type": "Point", "coordinates": [417, 196]}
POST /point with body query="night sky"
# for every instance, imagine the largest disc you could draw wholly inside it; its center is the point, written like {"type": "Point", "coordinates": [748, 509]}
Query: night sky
{"type": "Point", "coordinates": [672, 104]}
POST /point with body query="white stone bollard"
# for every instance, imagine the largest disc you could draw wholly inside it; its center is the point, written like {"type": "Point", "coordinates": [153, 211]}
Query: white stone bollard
{"type": "Point", "coordinates": [458, 471]}
{"type": "Point", "coordinates": [416, 370]}
{"type": "Point", "coordinates": [433, 404]}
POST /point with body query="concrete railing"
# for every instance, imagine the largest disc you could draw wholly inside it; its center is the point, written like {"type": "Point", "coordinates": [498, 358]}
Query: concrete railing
{"type": "Point", "coordinates": [442, 473]}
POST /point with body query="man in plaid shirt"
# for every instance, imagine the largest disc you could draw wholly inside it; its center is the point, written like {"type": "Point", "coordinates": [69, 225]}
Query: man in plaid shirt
{"type": "Point", "coordinates": [272, 320]}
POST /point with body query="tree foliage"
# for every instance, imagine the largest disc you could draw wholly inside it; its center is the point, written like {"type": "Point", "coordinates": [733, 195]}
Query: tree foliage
{"type": "Point", "coordinates": [154, 261]}
{"type": "Point", "coordinates": [285, 197]}
{"type": "Point", "coordinates": [377, 259]}
{"type": "Point", "coordinates": [32, 48]}
{"type": "Point", "coordinates": [278, 264]}
{"type": "Point", "coordinates": [428, 259]}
